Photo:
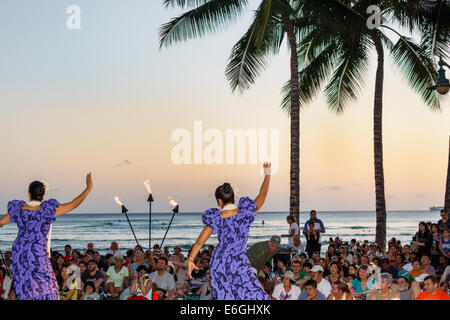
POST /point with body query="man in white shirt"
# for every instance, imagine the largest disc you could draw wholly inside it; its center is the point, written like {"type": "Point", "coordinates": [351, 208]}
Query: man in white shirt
{"type": "Point", "coordinates": [323, 285]}
{"type": "Point", "coordinates": [162, 278]}
{"type": "Point", "coordinates": [293, 231]}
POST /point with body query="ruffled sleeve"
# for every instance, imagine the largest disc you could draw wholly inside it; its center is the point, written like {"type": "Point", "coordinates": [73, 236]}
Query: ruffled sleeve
{"type": "Point", "coordinates": [209, 218]}
{"type": "Point", "coordinates": [248, 207]}
{"type": "Point", "coordinates": [48, 208]}
{"type": "Point", "coordinates": [14, 209]}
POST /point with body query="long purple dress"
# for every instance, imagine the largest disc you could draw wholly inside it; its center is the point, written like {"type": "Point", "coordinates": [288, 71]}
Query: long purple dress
{"type": "Point", "coordinates": [231, 277]}
{"type": "Point", "coordinates": [32, 271]}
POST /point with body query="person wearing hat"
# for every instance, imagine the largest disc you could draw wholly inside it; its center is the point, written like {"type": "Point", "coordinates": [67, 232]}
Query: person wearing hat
{"type": "Point", "coordinates": [116, 278]}
{"type": "Point", "coordinates": [287, 290]}
{"type": "Point", "coordinates": [93, 275]}
{"type": "Point", "coordinates": [323, 285]}
{"type": "Point", "coordinates": [263, 251]}
{"type": "Point", "coordinates": [409, 288]}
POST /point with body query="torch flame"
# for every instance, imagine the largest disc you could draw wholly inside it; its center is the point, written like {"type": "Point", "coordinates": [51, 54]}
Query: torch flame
{"type": "Point", "coordinates": [172, 202]}
{"type": "Point", "coordinates": [147, 185]}
{"type": "Point", "coordinates": [118, 201]}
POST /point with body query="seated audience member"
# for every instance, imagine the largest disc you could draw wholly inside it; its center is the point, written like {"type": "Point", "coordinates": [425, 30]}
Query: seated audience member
{"type": "Point", "coordinates": [311, 292]}
{"type": "Point", "coordinates": [141, 286]}
{"type": "Point", "coordinates": [432, 291]}
{"type": "Point", "coordinates": [287, 290]}
{"type": "Point", "coordinates": [362, 284]}
{"type": "Point", "coordinates": [89, 292]}
{"type": "Point", "coordinates": [323, 285]}
{"type": "Point", "coordinates": [340, 291]}
{"type": "Point", "coordinates": [163, 279]}
{"type": "Point", "coordinates": [409, 288]}
{"type": "Point", "coordinates": [387, 290]}
{"type": "Point", "coordinates": [426, 265]}
{"type": "Point", "coordinates": [116, 278]}
{"type": "Point", "coordinates": [93, 275]}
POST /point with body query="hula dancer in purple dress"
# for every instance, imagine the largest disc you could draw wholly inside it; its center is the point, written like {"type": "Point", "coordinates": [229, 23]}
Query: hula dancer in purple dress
{"type": "Point", "coordinates": [231, 277]}
{"type": "Point", "coordinates": [33, 275]}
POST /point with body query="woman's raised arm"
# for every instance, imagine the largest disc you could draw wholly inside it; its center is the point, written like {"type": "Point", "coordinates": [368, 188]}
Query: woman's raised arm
{"type": "Point", "coordinates": [5, 220]}
{"type": "Point", "coordinates": [67, 207]}
{"type": "Point", "coordinates": [264, 190]}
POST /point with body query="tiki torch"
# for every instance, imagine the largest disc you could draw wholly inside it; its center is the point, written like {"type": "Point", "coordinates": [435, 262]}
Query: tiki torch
{"type": "Point", "coordinates": [174, 210]}
{"type": "Point", "coordinates": [124, 211]}
{"type": "Point", "coordinates": [150, 200]}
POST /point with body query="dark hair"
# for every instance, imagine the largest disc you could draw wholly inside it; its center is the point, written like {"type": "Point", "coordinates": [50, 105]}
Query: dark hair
{"type": "Point", "coordinates": [342, 286]}
{"type": "Point", "coordinates": [36, 190]}
{"type": "Point", "coordinates": [432, 278]}
{"type": "Point", "coordinates": [291, 217]}
{"type": "Point", "coordinates": [225, 193]}
{"type": "Point", "coordinates": [303, 255]}
{"type": "Point", "coordinates": [162, 258]}
{"type": "Point", "coordinates": [307, 264]}
{"type": "Point", "coordinates": [336, 264]}
{"type": "Point", "coordinates": [311, 283]}
{"type": "Point", "coordinates": [68, 246]}
{"type": "Point", "coordinates": [89, 284]}
{"type": "Point", "coordinates": [312, 211]}
{"type": "Point", "coordinates": [140, 268]}
{"type": "Point", "coordinates": [296, 261]}
{"type": "Point", "coordinates": [362, 267]}
{"type": "Point", "coordinates": [130, 253]}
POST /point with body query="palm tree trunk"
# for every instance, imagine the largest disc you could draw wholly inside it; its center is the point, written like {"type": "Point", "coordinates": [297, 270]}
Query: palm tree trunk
{"type": "Point", "coordinates": [295, 127]}
{"type": "Point", "coordinates": [447, 189]}
{"type": "Point", "coordinates": [380, 237]}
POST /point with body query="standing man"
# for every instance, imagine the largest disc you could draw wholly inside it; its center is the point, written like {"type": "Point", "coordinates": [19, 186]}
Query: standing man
{"type": "Point", "coordinates": [444, 223]}
{"type": "Point", "coordinates": [261, 252]}
{"type": "Point", "coordinates": [317, 228]}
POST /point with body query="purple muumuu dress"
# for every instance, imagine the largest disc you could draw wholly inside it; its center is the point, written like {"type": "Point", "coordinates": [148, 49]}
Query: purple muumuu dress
{"type": "Point", "coordinates": [231, 277]}
{"type": "Point", "coordinates": [32, 272]}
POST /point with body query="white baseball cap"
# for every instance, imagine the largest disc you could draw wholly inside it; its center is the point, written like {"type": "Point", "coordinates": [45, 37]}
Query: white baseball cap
{"type": "Point", "coordinates": [317, 268]}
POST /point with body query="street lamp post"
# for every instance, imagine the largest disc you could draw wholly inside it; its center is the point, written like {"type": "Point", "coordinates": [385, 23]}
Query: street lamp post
{"type": "Point", "coordinates": [442, 86]}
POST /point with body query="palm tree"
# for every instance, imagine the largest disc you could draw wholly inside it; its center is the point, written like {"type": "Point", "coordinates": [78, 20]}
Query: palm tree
{"type": "Point", "coordinates": [336, 52]}
{"type": "Point", "coordinates": [274, 20]}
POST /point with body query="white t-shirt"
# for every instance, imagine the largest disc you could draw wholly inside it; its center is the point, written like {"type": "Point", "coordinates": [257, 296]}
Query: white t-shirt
{"type": "Point", "coordinates": [294, 227]}
{"type": "Point", "coordinates": [280, 294]}
{"type": "Point", "coordinates": [324, 287]}
{"type": "Point", "coordinates": [117, 278]}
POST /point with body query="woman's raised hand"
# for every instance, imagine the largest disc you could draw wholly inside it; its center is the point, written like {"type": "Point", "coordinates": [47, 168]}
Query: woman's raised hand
{"type": "Point", "coordinates": [89, 183]}
{"type": "Point", "coordinates": [267, 168]}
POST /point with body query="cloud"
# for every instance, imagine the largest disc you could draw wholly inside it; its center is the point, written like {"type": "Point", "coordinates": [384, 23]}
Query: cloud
{"type": "Point", "coordinates": [124, 162]}
{"type": "Point", "coordinates": [331, 188]}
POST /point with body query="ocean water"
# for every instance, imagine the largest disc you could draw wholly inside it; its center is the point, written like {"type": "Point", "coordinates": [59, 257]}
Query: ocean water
{"type": "Point", "coordinates": [101, 229]}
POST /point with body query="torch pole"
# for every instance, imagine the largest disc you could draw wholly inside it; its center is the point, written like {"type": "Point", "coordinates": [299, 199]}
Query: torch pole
{"type": "Point", "coordinates": [150, 200]}
{"type": "Point", "coordinates": [124, 210]}
{"type": "Point", "coordinates": [175, 210]}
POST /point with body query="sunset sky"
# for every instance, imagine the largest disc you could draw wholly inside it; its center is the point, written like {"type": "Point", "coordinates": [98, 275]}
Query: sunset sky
{"type": "Point", "coordinates": [106, 99]}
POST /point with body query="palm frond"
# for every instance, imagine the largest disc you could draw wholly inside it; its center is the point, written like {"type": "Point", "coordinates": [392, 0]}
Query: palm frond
{"type": "Point", "coordinates": [251, 53]}
{"type": "Point", "coordinates": [311, 78]}
{"type": "Point", "coordinates": [208, 18]}
{"type": "Point", "coordinates": [184, 3]}
{"type": "Point", "coordinates": [435, 30]}
{"type": "Point", "coordinates": [347, 80]}
{"type": "Point", "coordinates": [417, 69]}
